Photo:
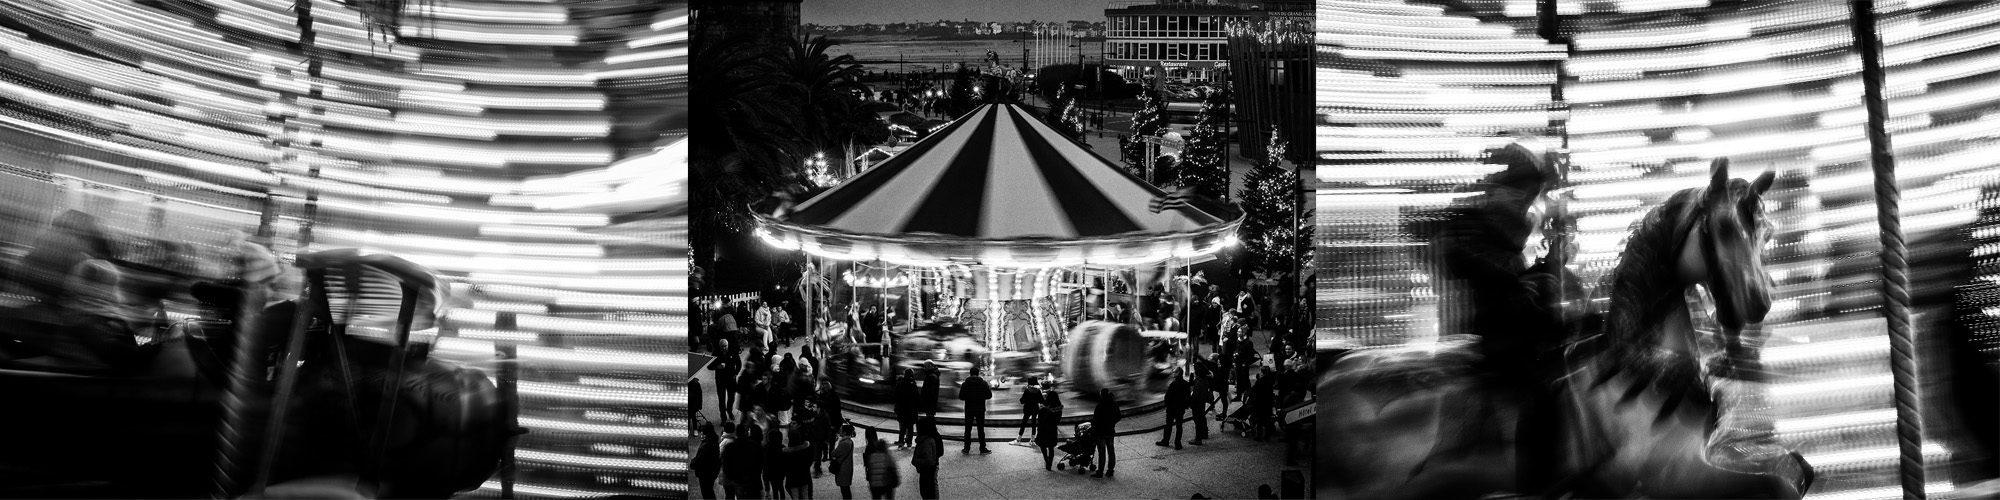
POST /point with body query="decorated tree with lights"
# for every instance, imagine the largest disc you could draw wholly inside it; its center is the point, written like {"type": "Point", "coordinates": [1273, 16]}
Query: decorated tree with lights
{"type": "Point", "coordinates": [1202, 164]}
{"type": "Point", "coordinates": [1275, 219]}
{"type": "Point", "coordinates": [1064, 116]}
{"type": "Point", "coordinates": [1149, 121]}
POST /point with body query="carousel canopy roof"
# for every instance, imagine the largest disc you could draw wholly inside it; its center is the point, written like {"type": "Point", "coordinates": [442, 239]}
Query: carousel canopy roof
{"type": "Point", "coordinates": [998, 187]}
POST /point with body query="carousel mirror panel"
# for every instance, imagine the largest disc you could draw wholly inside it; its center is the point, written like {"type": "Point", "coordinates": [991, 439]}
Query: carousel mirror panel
{"type": "Point", "coordinates": [1665, 249]}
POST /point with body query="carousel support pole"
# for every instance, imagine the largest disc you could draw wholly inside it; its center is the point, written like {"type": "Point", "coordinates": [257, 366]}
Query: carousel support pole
{"type": "Point", "coordinates": [1895, 263]}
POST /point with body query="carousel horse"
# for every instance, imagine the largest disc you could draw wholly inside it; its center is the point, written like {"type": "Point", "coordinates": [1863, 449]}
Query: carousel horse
{"type": "Point", "coordinates": [1628, 418]}
{"type": "Point", "coordinates": [405, 425]}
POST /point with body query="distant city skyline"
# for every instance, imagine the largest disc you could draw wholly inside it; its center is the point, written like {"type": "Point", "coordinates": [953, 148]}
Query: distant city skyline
{"type": "Point", "coordinates": [851, 12]}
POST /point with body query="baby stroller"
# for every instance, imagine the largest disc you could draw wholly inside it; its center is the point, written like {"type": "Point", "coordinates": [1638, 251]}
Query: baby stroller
{"type": "Point", "coordinates": [1080, 451]}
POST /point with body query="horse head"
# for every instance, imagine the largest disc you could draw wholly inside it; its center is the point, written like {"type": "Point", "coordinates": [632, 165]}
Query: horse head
{"type": "Point", "coordinates": [1723, 248]}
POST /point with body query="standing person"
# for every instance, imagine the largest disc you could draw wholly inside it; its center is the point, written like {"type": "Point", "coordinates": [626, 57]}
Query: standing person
{"type": "Point", "coordinates": [725, 323]}
{"type": "Point", "coordinates": [1262, 403]}
{"type": "Point", "coordinates": [974, 392]}
{"type": "Point", "coordinates": [908, 397]}
{"type": "Point", "coordinates": [1225, 359]}
{"type": "Point", "coordinates": [763, 317]}
{"type": "Point", "coordinates": [1031, 410]}
{"type": "Point", "coordinates": [881, 467]}
{"type": "Point", "coordinates": [694, 400]}
{"type": "Point", "coordinates": [1048, 428]}
{"type": "Point", "coordinates": [743, 463]}
{"type": "Point", "coordinates": [782, 320]}
{"type": "Point", "coordinates": [707, 461]}
{"type": "Point", "coordinates": [1199, 394]}
{"type": "Point", "coordinates": [829, 403]}
{"type": "Point", "coordinates": [1246, 358]}
{"type": "Point", "coordinates": [746, 324]}
{"type": "Point", "coordinates": [725, 380]}
{"type": "Point", "coordinates": [752, 388]}
{"type": "Point", "coordinates": [1104, 424]}
{"type": "Point", "coordinates": [930, 447]}
{"type": "Point", "coordinates": [930, 392]}
{"type": "Point", "coordinates": [1177, 403]}
{"type": "Point", "coordinates": [775, 465]}
{"type": "Point", "coordinates": [871, 324]}
{"type": "Point", "coordinates": [798, 466]}
{"type": "Point", "coordinates": [843, 461]}
{"type": "Point", "coordinates": [807, 426]}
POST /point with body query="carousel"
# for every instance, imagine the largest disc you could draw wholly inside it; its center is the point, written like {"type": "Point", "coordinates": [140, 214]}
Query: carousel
{"type": "Point", "coordinates": [993, 238]}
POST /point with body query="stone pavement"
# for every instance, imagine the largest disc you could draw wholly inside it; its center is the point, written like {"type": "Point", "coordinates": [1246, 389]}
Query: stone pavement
{"type": "Point", "coordinates": [1226, 466]}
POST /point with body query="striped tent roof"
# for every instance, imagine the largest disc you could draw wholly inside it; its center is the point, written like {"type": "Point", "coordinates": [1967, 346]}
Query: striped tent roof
{"type": "Point", "coordinates": [998, 187]}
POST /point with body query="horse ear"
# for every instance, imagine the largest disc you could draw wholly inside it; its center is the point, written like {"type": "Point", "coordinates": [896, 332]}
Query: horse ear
{"type": "Point", "coordinates": [1718, 175]}
{"type": "Point", "coordinates": [1763, 182]}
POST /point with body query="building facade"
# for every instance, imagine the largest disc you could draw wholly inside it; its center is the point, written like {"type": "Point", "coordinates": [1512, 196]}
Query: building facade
{"type": "Point", "coordinates": [1180, 40]}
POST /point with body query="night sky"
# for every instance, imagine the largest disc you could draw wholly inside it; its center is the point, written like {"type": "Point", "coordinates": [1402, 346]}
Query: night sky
{"type": "Point", "coordinates": [889, 11]}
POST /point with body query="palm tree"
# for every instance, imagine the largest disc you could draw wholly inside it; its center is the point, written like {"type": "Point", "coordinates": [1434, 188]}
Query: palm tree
{"type": "Point", "coordinates": [748, 144]}
{"type": "Point", "coordinates": [825, 88]}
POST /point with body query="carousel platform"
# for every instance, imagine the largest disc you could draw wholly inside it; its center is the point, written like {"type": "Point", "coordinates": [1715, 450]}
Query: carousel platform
{"type": "Point", "coordinates": [1003, 416]}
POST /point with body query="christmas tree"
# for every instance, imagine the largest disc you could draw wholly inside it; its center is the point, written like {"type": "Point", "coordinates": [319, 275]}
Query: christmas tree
{"type": "Point", "coordinates": [1277, 226]}
{"type": "Point", "coordinates": [1149, 121]}
{"type": "Point", "coordinates": [1064, 116]}
{"type": "Point", "coordinates": [1202, 164]}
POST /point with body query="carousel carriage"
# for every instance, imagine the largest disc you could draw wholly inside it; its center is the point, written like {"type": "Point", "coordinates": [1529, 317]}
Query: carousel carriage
{"type": "Point", "coordinates": [198, 416]}
{"type": "Point", "coordinates": [1105, 355]}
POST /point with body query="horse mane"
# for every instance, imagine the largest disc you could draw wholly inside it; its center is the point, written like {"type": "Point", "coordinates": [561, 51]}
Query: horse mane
{"type": "Point", "coordinates": [1633, 291]}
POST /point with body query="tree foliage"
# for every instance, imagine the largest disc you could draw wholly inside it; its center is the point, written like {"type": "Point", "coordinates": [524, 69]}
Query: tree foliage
{"type": "Point", "coordinates": [1148, 121]}
{"type": "Point", "coordinates": [1202, 163]}
{"type": "Point", "coordinates": [764, 108]}
{"type": "Point", "coordinates": [1277, 226]}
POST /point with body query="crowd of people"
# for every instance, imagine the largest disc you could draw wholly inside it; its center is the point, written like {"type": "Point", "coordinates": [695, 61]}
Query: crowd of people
{"type": "Point", "coordinates": [781, 423]}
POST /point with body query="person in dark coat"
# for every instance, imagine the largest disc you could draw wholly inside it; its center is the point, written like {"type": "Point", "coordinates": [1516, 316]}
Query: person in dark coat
{"type": "Point", "coordinates": [829, 403]}
{"type": "Point", "coordinates": [775, 465]}
{"type": "Point", "coordinates": [930, 449]}
{"type": "Point", "coordinates": [1031, 409]}
{"type": "Point", "coordinates": [843, 461]}
{"type": "Point", "coordinates": [694, 398]}
{"type": "Point", "coordinates": [1225, 360]}
{"type": "Point", "coordinates": [707, 461]}
{"type": "Point", "coordinates": [930, 392]}
{"type": "Point", "coordinates": [743, 462]}
{"type": "Point", "coordinates": [871, 324]}
{"type": "Point", "coordinates": [750, 390]}
{"type": "Point", "coordinates": [880, 466]}
{"type": "Point", "coordinates": [974, 392]}
{"type": "Point", "coordinates": [1177, 403]}
{"type": "Point", "coordinates": [807, 425]}
{"type": "Point", "coordinates": [798, 466]}
{"type": "Point", "coordinates": [725, 382]}
{"type": "Point", "coordinates": [1104, 423]}
{"type": "Point", "coordinates": [1048, 428]}
{"type": "Point", "coordinates": [778, 397]}
{"type": "Point", "coordinates": [909, 402]}
{"type": "Point", "coordinates": [1199, 394]}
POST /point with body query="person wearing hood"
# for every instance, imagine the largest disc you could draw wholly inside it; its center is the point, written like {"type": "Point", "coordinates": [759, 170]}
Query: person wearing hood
{"type": "Point", "coordinates": [843, 461]}
{"type": "Point", "coordinates": [883, 478]}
